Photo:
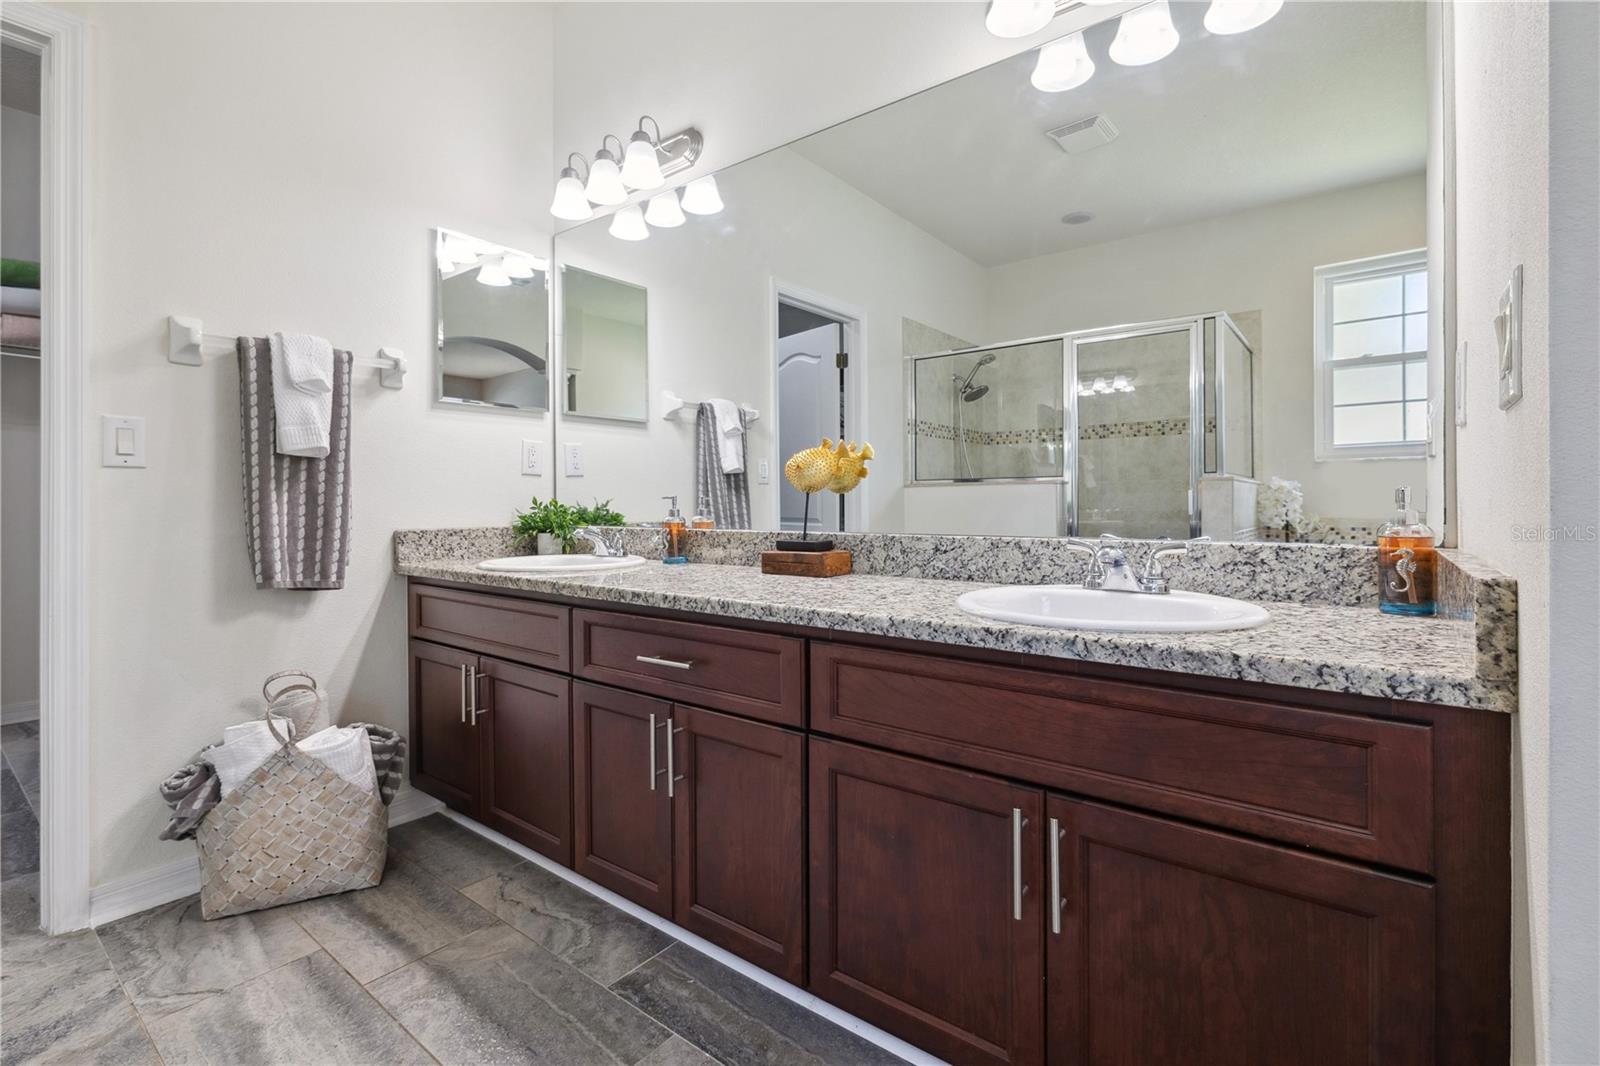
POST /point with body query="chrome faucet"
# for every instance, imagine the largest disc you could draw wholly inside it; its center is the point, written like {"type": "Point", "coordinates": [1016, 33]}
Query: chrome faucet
{"type": "Point", "coordinates": [1110, 570]}
{"type": "Point", "coordinates": [597, 540]}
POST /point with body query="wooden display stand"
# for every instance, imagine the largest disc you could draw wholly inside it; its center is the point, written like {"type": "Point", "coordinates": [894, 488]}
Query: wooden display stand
{"type": "Point", "coordinates": [806, 564]}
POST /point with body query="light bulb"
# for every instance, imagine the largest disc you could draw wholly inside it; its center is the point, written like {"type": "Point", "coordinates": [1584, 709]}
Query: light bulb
{"type": "Point", "coordinates": [663, 211]}
{"type": "Point", "coordinates": [628, 224]}
{"type": "Point", "coordinates": [1120, 383]}
{"type": "Point", "coordinates": [570, 202]}
{"type": "Point", "coordinates": [700, 196]}
{"type": "Point", "coordinates": [605, 181]}
{"type": "Point", "coordinates": [641, 169]}
{"type": "Point", "coordinates": [1018, 18]}
{"type": "Point", "coordinates": [493, 273]}
{"type": "Point", "coordinates": [1145, 35]}
{"type": "Point", "coordinates": [518, 266]}
{"type": "Point", "coordinates": [458, 249]}
{"type": "Point", "coordinates": [1237, 16]}
{"type": "Point", "coordinates": [1063, 65]}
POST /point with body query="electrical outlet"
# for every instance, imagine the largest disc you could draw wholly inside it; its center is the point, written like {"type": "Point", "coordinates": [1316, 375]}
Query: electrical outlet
{"type": "Point", "coordinates": [533, 458]}
{"type": "Point", "coordinates": [763, 472]}
{"type": "Point", "coordinates": [572, 457]}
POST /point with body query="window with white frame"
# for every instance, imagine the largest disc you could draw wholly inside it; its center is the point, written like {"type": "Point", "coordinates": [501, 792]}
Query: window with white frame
{"type": "Point", "coordinates": [1372, 357]}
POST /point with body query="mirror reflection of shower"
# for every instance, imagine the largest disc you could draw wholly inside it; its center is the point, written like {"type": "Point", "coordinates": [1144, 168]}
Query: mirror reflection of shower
{"type": "Point", "coordinates": [967, 392]}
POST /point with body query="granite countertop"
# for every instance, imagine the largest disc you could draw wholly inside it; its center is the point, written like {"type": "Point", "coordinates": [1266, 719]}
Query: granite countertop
{"type": "Point", "coordinates": [1326, 647]}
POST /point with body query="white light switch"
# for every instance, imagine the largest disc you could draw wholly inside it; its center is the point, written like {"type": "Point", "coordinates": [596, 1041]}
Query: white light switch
{"type": "Point", "coordinates": [532, 458]}
{"type": "Point", "coordinates": [572, 458]}
{"type": "Point", "coordinates": [1508, 340]}
{"type": "Point", "coordinates": [121, 440]}
{"type": "Point", "coordinates": [763, 472]}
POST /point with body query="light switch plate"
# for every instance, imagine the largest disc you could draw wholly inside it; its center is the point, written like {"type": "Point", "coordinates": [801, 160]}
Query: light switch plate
{"type": "Point", "coordinates": [121, 440]}
{"type": "Point", "coordinates": [1508, 340]}
{"type": "Point", "coordinates": [533, 458]}
{"type": "Point", "coordinates": [572, 459]}
{"type": "Point", "coordinates": [763, 472]}
{"type": "Point", "coordinates": [1461, 384]}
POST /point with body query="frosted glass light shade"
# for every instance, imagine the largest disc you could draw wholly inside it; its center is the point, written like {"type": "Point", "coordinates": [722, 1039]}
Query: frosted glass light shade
{"type": "Point", "coordinates": [1018, 18]}
{"type": "Point", "coordinates": [1063, 65]}
{"type": "Point", "coordinates": [628, 224]}
{"type": "Point", "coordinates": [570, 202]}
{"type": "Point", "coordinates": [1237, 16]}
{"type": "Point", "coordinates": [663, 211]}
{"type": "Point", "coordinates": [518, 266]}
{"type": "Point", "coordinates": [641, 169]}
{"type": "Point", "coordinates": [605, 181]}
{"type": "Point", "coordinates": [458, 249]}
{"type": "Point", "coordinates": [700, 196]}
{"type": "Point", "coordinates": [493, 273]}
{"type": "Point", "coordinates": [1145, 35]}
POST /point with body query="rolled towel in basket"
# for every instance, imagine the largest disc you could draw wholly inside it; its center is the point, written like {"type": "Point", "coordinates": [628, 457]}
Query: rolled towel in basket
{"type": "Point", "coordinates": [345, 749]}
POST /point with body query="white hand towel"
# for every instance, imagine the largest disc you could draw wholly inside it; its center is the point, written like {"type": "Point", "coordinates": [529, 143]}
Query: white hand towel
{"type": "Point", "coordinates": [244, 748]}
{"type": "Point", "coordinates": [730, 436]}
{"type": "Point", "coordinates": [302, 393]}
{"type": "Point", "coordinates": [347, 750]}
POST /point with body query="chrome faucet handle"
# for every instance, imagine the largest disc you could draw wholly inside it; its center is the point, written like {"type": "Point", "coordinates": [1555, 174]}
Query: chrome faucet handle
{"type": "Point", "coordinates": [1096, 573]}
{"type": "Point", "coordinates": [602, 547]}
{"type": "Point", "coordinates": [1154, 579]}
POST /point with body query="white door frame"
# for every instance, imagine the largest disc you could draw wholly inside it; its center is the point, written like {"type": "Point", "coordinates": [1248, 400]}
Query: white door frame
{"type": "Point", "coordinates": [63, 675]}
{"type": "Point", "coordinates": [855, 377]}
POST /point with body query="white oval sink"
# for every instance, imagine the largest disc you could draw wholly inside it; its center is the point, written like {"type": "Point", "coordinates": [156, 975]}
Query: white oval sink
{"type": "Point", "coordinates": [1075, 607]}
{"type": "Point", "coordinates": [561, 564]}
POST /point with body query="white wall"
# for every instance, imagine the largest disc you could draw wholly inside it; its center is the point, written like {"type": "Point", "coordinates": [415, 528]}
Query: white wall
{"type": "Point", "coordinates": [1258, 260]}
{"type": "Point", "coordinates": [279, 166]}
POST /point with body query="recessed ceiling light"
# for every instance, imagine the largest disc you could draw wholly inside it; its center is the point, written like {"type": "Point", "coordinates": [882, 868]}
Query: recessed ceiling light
{"type": "Point", "coordinates": [1077, 218]}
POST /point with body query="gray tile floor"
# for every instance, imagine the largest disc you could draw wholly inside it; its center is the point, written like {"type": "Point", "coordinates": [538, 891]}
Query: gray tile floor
{"type": "Point", "coordinates": [465, 954]}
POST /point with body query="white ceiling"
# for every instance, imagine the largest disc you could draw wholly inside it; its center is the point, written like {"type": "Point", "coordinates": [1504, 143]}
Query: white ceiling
{"type": "Point", "coordinates": [1326, 95]}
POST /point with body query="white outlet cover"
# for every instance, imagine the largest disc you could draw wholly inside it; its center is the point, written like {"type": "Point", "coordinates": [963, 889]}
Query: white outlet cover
{"type": "Point", "coordinates": [572, 459]}
{"type": "Point", "coordinates": [1508, 338]}
{"type": "Point", "coordinates": [532, 458]}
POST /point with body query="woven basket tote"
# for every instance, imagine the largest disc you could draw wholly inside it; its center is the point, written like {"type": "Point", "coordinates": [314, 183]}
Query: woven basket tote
{"type": "Point", "coordinates": [293, 830]}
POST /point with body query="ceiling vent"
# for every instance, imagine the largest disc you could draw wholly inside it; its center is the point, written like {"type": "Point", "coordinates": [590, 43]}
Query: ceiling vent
{"type": "Point", "coordinates": [1083, 135]}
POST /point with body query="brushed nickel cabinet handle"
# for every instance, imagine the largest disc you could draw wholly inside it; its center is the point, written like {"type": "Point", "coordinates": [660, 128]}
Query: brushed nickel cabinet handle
{"type": "Point", "coordinates": [671, 776]}
{"type": "Point", "coordinates": [463, 693]}
{"type": "Point", "coordinates": [652, 752]}
{"type": "Point", "coordinates": [1056, 902]}
{"type": "Point", "coordinates": [472, 695]}
{"type": "Point", "coordinates": [656, 660]}
{"type": "Point", "coordinates": [1017, 887]}
{"type": "Point", "coordinates": [477, 694]}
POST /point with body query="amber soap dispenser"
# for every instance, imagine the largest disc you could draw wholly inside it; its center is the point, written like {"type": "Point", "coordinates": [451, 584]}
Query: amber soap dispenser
{"type": "Point", "coordinates": [1405, 561]}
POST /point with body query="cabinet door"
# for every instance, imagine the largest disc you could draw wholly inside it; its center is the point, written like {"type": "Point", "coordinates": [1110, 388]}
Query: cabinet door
{"type": "Point", "coordinates": [524, 729]}
{"type": "Point", "coordinates": [622, 820]}
{"type": "Point", "coordinates": [444, 745]}
{"type": "Point", "coordinates": [925, 902]}
{"type": "Point", "coordinates": [1180, 944]}
{"type": "Point", "coordinates": [738, 839]}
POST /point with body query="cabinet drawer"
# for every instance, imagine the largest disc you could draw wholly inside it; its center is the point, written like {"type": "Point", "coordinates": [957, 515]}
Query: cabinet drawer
{"type": "Point", "coordinates": [1347, 784]}
{"type": "Point", "coordinates": [523, 631]}
{"type": "Point", "coordinates": [759, 675]}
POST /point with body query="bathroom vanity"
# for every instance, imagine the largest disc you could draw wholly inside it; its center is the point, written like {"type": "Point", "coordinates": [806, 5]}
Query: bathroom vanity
{"type": "Point", "coordinates": [999, 855]}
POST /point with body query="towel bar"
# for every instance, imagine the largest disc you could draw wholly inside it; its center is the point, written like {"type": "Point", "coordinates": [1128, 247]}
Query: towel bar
{"type": "Point", "coordinates": [672, 406]}
{"type": "Point", "coordinates": [188, 344]}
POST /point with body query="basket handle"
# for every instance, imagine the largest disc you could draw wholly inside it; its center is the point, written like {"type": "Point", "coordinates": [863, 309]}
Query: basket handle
{"type": "Point", "coordinates": [310, 685]}
{"type": "Point", "coordinates": [283, 741]}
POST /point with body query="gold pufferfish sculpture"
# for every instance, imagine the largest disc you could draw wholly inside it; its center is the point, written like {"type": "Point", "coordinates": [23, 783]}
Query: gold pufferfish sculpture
{"type": "Point", "coordinates": [838, 468]}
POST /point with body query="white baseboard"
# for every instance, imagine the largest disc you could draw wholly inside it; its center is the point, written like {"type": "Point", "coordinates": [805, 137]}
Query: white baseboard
{"type": "Point", "coordinates": [181, 877]}
{"type": "Point", "coordinates": [799, 996]}
{"type": "Point", "coordinates": [20, 711]}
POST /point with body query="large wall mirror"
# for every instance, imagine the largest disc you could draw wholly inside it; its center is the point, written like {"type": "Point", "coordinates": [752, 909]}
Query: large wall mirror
{"type": "Point", "coordinates": [1139, 305]}
{"type": "Point", "coordinates": [605, 361]}
{"type": "Point", "coordinates": [493, 326]}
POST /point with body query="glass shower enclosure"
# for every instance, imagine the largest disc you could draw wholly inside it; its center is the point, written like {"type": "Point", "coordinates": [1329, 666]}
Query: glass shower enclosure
{"type": "Point", "coordinates": [1124, 420]}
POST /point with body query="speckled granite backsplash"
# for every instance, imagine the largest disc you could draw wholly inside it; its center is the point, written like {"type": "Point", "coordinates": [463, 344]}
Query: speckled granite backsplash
{"type": "Point", "coordinates": [1315, 574]}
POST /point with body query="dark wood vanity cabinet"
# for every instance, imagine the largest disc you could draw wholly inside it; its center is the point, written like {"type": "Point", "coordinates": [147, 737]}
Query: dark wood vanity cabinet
{"type": "Point", "coordinates": [999, 859]}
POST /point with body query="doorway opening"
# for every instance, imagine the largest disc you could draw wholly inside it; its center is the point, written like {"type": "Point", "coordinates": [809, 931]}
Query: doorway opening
{"type": "Point", "coordinates": [816, 400]}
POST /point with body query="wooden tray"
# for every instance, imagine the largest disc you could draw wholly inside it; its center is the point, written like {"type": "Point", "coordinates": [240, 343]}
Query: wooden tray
{"type": "Point", "coordinates": [806, 564]}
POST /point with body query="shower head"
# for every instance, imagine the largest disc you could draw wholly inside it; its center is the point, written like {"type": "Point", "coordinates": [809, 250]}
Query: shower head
{"type": "Point", "coordinates": [983, 360]}
{"type": "Point", "coordinates": [974, 393]}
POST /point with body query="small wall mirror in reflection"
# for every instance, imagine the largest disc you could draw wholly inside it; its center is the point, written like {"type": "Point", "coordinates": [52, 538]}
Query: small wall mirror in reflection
{"type": "Point", "coordinates": [603, 347]}
{"type": "Point", "coordinates": [494, 326]}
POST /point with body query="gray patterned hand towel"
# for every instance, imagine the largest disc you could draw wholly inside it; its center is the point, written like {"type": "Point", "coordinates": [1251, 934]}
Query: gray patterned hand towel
{"type": "Point", "coordinates": [729, 494]}
{"type": "Point", "coordinates": [296, 510]}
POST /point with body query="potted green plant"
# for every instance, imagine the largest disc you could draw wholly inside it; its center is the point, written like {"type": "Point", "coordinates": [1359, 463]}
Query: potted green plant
{"type": "Point", "coordinates": [550, 527]}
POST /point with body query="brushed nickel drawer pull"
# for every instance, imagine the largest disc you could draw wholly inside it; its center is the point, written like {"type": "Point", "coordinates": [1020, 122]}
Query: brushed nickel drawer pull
{"type": "Point", "coordinates": [656, 660]}
{"type": "Point", "coordinates": [1017, 887]}
{"type": "Point", "coordinates": [1056, 902]}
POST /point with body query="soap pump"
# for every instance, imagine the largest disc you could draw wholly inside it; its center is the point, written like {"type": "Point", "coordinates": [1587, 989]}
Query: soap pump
{"type": "Point", "coordinates": [1405, 561]}
{"type": "Point", "coordinates": [674, 525]}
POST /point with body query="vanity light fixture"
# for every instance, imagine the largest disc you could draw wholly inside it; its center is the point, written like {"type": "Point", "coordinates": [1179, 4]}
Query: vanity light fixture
{"type": "Point", "coordinates": [628, 224]}
{"type": "Point", "coordinates": [1018, 18]}
{"type": "Point", "coordinates": [570, 201]}
{"type": "Point", "coordinates": [700, 196]}
{"type": "Point", "coordinates": [493, 272]}
{"type": "Point", "coordinates": [1063, 65]}
{"type": "Point", "coordinates": [458, 249]}
{"type": "Point", "coordinates": [517, 267]}
{"type": "Point", "coordinates": [1145, 35]}
{"type": "Point", "coordinates": [663, 211]}
{"type": "Point", "coordinates": [1237, 16]}
{"type": "Point", "coordinates": [605, 179]}
{"type": "Point", "coordinates": [641, 168]}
